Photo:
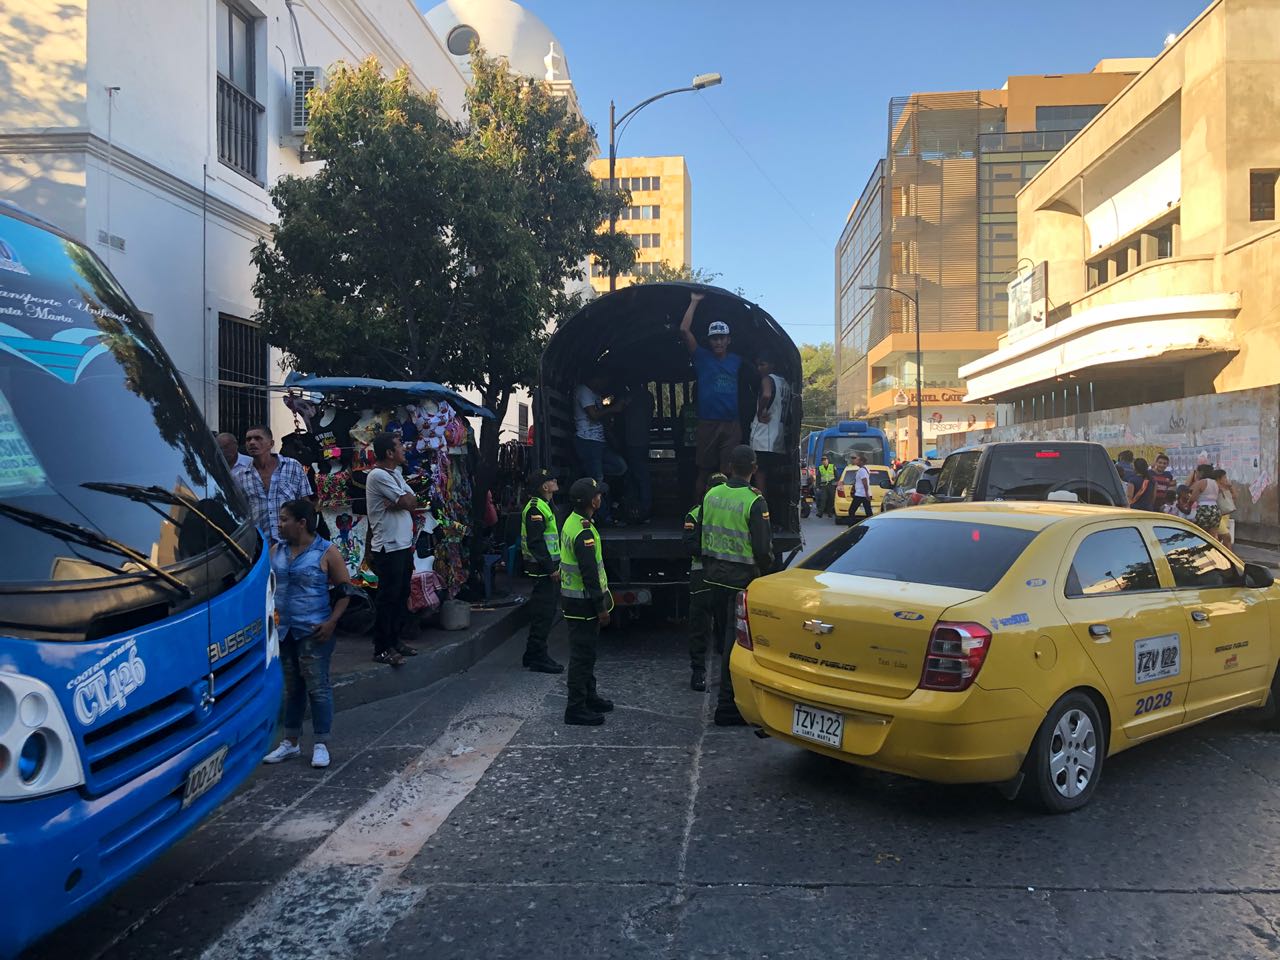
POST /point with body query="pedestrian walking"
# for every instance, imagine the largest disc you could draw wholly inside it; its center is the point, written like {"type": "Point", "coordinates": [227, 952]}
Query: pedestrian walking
{"type": "Point", "coordinates": [540, 548]}
{"type": "Point", "coordinates": [584, 587]}
{"type": "Point", "coordinates": [704, 619]}
{"type": "Point", "coordinates": [268, 481]}
{"type": "Point", "coordinates": [306, 567]}
{"type": "Point", "coordinates": [719, 418]}
{"type": "Point", "coordinates": [826, 487]}
{"type": "Point", "coordinates": [1204, 491]}
{"type": "Point", "coordinates": [737, 547]}
{"type": "Point", "coordinates": [595, 457]}
{"type": "Point", "coordinates": [1144, 486]}
{"type": "Point", "coordinates": [390, 504]}
{"type": "Point", "coordinates": [1226, 505]}
{"type": "Point", "coordinates": [768, 435]}
{"type": "Point", "coordinates": [861, 488]}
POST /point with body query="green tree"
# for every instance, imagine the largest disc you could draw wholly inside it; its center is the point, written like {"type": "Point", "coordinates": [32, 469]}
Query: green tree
{"type": "Point", "coordinates": [818, 364]}
{"type": "Point", "coordinates": [664, 272]}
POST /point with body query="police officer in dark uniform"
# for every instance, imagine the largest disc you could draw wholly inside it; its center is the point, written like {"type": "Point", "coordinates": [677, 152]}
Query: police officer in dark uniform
{"type": "Point", "coordinates": [540, 548]}
{"type": "Point", "coordinates": [584, 588]}
{"type": "Point", "coordinates": [704, 622]}
{"type": "Point", "coordinates": [737, 547]}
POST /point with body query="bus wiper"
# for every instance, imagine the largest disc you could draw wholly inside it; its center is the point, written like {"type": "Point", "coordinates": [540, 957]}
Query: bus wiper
{"type": "Point", "coordinates": [74, 533]}
{"type": "Point", "coordinates": [153, 494]}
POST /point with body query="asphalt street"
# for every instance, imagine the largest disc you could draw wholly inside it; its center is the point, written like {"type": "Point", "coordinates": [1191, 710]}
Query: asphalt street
{"type": "Point", "coordinates": [466, 820]}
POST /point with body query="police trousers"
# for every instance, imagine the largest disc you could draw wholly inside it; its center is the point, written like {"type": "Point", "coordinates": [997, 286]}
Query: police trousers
{"type": "Point", "coordinates": [583, 637]}
{"type": "Point", "coordinates": [542, 615]}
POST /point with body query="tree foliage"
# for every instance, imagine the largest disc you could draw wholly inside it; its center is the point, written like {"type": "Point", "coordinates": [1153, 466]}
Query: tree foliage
{"type": "Point", "coordinates": [664, 272]}
{"type": "Point", "coordinates": [818, 363]}
{"type": "Point", "coordinates": [426, 248]}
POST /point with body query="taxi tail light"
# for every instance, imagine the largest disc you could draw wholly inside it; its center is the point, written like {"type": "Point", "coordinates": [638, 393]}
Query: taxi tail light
{"type": "Point", "coordinates": [956, 654]}
{"type": "Point", "coordinates": [840, 490]}
{"type": "Point", "coordinates": [741, 626]}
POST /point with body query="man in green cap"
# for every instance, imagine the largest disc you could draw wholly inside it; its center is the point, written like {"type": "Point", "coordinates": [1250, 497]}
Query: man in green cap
{"type": "Point", "coordinates": [737, 547]}
{"type": "Point", "coordinates": [584, 589]}
{"type": "Point", "coordinates": [703, 619]}
{"type": "Point", "coordinates": [540, 548]}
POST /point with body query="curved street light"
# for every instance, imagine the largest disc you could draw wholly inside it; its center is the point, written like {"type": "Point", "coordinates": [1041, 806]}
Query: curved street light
{"type": "Point", "coordinates": [700, 82]}
{"type": "Point", "coordinates": [915, 303]}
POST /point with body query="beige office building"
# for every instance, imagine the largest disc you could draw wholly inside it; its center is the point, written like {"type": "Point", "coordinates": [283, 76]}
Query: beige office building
{"type": "Point", "coordinates": [937, 221]}
{"type": "Point", "coordinates": [1156, 232]}
{"type": "Point", "coordinates": [659, 219]}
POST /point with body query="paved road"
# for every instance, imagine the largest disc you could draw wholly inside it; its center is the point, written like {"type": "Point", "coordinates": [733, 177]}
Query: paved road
{"type": "Point", "coordinates": [467, 821]}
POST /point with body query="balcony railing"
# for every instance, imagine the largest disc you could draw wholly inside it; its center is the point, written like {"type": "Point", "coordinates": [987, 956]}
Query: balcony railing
{"type": "Point", "coordinates": [239, 119]}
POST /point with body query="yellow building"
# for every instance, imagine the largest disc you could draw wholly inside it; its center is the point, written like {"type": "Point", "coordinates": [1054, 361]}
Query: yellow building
{"type": "Point", "coordinates": [659, 219]}
{"type": "Point", "coordinates": [938, 222]}
{"type": "Point", "coordinates": [1156, 237]}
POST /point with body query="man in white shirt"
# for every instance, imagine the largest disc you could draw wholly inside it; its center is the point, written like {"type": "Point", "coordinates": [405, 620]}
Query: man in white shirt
{"type": "Point", "coordinates": [390, 504]}
{"type": "Point", "coordinates": [230, 448]}
{"type": "Point", "coordinates": [590, 410]}
{"type": "Point", "coordinates": [769, 437]}
{"type": "Point", "coordinates": [861, 487]}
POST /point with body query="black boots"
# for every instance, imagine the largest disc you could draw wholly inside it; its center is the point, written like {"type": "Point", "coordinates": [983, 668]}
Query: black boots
{"type": "Point", "coordinates": [583, 717]}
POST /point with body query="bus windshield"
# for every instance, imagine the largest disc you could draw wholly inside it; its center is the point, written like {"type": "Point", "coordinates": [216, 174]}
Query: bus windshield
{"type": "Point", "coordinates": [106, 467]}
{"type": "Point", "coordinates": [846, 445]}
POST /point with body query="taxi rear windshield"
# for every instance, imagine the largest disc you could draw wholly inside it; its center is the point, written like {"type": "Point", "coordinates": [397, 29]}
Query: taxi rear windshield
{"type": "Point", "coordinates": [1030, 472]}
{"type": "Point", "coordinates": [942, 553]}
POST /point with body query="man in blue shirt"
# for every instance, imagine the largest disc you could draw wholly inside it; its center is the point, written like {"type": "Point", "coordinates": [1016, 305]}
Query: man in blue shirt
{"type": "Point", "coordinates": [719, 417]}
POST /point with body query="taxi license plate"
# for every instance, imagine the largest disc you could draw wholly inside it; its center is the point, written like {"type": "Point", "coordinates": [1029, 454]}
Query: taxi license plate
{"type": "Point", "coordinates": [821, 726]}
{"type": "Point", "coordinates": [203, 777]}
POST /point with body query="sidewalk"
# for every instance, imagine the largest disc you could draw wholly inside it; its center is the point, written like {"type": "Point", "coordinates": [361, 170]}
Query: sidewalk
{"type": "Point", "coordinates": [357, 679]}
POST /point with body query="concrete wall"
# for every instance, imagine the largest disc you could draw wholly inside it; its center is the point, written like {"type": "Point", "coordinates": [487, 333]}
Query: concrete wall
{"type": "Point", "coordinates": [1239, 431]}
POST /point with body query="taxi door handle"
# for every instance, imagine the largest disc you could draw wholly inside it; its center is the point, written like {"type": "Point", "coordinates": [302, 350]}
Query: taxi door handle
{"type": "Point", "coordinates": [1199, 616]}
{"type": "Point", "coordinates": [1099, 631]}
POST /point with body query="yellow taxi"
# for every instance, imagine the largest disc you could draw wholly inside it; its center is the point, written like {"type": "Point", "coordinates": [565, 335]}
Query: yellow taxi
{"type": "Point", "coordinates": [1020, 644]}
{"type": "Point", "coordinates": [881, 480]}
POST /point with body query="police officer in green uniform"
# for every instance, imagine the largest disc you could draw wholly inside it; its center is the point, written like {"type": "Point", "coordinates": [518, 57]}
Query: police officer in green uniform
{"type": "Point", "coordinates": [826, 487]}
{"type": "Point", "coordinates": [703, 619]}
{"type": "Point", "coordinates": [737, 547]}
{"type": "Point", "coordinates": [584, 588]}
{"type": "Point", "coordinates": [540, 548]}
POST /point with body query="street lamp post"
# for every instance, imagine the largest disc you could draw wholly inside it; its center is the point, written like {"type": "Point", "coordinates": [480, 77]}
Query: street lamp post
{"type": "Point", "coordinates": [915, 303]}
{"type": "Point", "coordinates": [700, 82]}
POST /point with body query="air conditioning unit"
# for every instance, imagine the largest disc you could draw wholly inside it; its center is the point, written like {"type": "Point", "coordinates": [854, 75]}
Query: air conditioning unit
{"type": "Point", "coordinates": [305, 79]}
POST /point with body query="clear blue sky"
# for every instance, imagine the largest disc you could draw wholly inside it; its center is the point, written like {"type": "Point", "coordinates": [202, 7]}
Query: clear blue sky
{"type": "Point", "coordinates": [806, 88]}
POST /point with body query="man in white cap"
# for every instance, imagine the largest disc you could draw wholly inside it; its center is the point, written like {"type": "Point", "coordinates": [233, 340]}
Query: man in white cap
{"type": "Point", "coordinates": [719, 420]}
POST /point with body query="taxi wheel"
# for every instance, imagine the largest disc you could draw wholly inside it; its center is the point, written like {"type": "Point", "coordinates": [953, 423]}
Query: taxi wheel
{"type": "Point", "coordinates": [1271, 709]}
{"type": "Point", "coordinates": [1065, 763]}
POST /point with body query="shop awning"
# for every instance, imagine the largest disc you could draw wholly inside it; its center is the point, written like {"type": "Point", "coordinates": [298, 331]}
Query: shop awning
{"type": "Point", "coordinates": [389, 391]}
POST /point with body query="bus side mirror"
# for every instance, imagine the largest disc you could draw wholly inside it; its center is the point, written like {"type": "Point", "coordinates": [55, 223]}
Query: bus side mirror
{"type": "Point", "coordinates": [924, 487]}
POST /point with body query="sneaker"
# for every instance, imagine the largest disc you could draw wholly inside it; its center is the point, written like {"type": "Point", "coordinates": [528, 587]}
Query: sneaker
{"type": "Point", "coordinates": [599, 704]}
{"type": "Point", "coordinates": [283, 752]}
{"type": "Point", "coordinates": [583, 718]}
{"type": "Point", "coordinates": [320, 756]}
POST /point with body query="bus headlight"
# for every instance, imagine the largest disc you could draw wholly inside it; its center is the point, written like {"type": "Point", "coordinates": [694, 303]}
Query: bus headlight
{"type": "Point", "coordinates": [37, 752]}
{"type": "Point", "coordinates": [269, 621]}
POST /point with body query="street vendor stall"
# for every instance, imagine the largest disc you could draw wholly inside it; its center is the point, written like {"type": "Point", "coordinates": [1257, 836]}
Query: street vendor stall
{"type": "Point", "coordinates": [336, 419]}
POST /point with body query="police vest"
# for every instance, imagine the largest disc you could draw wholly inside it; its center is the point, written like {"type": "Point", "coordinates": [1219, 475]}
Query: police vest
{"type": "Point", "coordinates": [549, 534]}
{"type": "Point", "coordinates": [726, 524]}
{"type": "Point", "coordinates": [572, 587]}
{"type": "Point", "coordinates": [826, 473]}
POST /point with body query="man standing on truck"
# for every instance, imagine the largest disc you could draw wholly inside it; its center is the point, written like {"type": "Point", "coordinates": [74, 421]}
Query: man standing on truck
{"type": "Point", "coordinates": [595, 458]}
{"type": "Point", "coordinates": [719, 423]}
{"type": "Point", "coordinates": [826, 487]}
{"type": "Point", "coordinates": [768, 435]}
{"type": "Point", "coordinates": [703, 619]}
{"type": "Point", "coordinates": [737, 547]}
{"type": "Point", "coordinates": [540, 548]}
{"type": "Point", "coordinates": [584, 588]}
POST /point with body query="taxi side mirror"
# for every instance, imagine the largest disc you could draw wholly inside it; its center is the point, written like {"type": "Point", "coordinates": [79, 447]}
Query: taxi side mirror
{"type": "Point", "coordinates": [1256, 575]}
{"type": "Point", "coordinates": [924, 487]}
{"type": "Point", "coordinates": [886, 483]}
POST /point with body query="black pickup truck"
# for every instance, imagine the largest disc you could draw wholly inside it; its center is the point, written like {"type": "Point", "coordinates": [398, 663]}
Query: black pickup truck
{"type": "Point", "coordinates": [1028, 470]}
{"type": "Point", "coordinates": [633, 337]}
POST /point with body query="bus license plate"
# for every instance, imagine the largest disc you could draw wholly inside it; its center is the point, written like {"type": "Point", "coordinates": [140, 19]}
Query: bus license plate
{"type": "Point", "coordinates": [821, 726]}
{"type": "Point", "coordinates": [203, 777]}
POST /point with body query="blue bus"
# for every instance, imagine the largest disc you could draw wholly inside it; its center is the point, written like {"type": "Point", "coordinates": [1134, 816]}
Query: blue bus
{"type": "Point", "coordinates": [844, 439]}
{"type": "Point", "coordinates": [139, 662]}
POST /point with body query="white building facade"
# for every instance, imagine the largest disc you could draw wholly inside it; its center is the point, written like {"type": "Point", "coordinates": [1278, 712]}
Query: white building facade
{"type": "Point", "coordinates": [152, 130]}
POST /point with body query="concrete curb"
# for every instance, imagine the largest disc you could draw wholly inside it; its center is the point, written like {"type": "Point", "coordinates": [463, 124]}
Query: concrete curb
{"type": "Point", "coordinates": [441, 658]}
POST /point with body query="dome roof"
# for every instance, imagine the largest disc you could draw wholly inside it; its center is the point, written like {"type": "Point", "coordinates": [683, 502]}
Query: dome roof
{"type": "Point", "coordinates": [504, 29]}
